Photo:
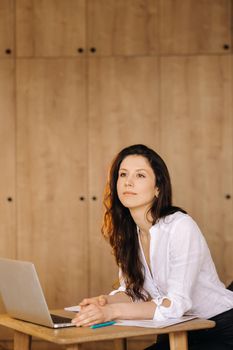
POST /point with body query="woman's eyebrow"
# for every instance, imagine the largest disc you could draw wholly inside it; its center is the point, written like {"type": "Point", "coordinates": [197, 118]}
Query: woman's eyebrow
{"type": "Point", "coordinates": [137, 170]}
{"type": "Point", "coordinates": [141, 169]}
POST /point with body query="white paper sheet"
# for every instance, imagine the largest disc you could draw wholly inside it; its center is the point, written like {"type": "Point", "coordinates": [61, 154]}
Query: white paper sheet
{"type": "Point", "coordinates": [75, 308]}
{"type": "Point", "coordinates": [152, 323]}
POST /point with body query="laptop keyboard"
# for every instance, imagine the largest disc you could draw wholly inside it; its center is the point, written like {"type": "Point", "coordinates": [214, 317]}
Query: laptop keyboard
{"type": "Point", "coordinates": [60, 319]}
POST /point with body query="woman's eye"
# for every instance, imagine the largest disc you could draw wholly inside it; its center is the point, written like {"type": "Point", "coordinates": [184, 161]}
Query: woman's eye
{"type": "Point", "coordinates": [141, 175]}
{"type": "Point", "coordinates": [122, 174]}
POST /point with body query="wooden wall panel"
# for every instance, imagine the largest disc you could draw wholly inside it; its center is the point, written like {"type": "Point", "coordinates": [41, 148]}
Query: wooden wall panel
{"type": "Point", "coordinates": [7, 166]}
{"type": "Point", "coordinates": [128, 27]}
{"type": "Point", "coordinates": [123, 110]}
{"type": "Point", "coordinates": [58, 27]}
{"type": "Point", "coordinates": [7, 159]}
{"type": "Point", "coordinates": [123, 27]}
{"type": "Point", "coordinates": [50, 28]}
{"type": "Point", "coordinates": [228, 251]}
{"type": "Point", "coordinates": [192, 26]}
{"type": "Point", "coordinates": [7, 27]}
{"type": "Point", "coordinates": [196, 140]}
{"type": "Point", "coordinates": [52, 175]}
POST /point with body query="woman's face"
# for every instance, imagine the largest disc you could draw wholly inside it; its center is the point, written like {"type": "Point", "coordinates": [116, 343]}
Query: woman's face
{"type": "Point", "coordinates": [136, 183]}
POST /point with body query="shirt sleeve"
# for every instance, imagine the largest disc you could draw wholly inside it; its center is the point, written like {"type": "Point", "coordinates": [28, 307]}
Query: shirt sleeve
{"type": "Point", "coordinates": [185, 258]}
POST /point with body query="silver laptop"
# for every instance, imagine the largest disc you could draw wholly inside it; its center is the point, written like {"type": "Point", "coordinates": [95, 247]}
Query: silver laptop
{"type": "Point", "coordinates": [23, 296]}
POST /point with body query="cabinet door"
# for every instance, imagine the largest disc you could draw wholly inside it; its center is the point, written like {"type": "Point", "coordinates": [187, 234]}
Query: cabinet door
{"type": "Point", "coordinates": [7, 27]}
{"type": "Point", "coordinates": [196, 140]}
{"type": "Point", "coordinates": [192, 26]}
{"type": "Point", "coordinates": [52, 175]}
{"type": "Point", "coordinates": [7, 159]}
{"type": "Point", "coordinates": [50, 28]}
{"type": "Point", "coordinates": [123, 27]}
{"type": "Point", "coordinates": [129, 27]}
{"type": "Point", "coordinates": [7, 166]}
{"type": "Point", "coordinates": [123, 110]}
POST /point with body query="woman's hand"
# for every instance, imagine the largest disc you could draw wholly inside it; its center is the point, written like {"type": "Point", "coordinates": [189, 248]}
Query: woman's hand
{"type": "Point", "coordinates": [93, 313]}
{"type": "Point", "coordinates": [101, 300]}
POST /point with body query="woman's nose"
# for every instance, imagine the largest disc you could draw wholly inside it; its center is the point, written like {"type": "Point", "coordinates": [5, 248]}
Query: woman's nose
{"type": "Point", "coordinates": [128, 182]}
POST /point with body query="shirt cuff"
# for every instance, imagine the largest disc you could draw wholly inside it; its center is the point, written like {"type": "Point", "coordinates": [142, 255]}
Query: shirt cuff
{"type": "Point", "coordinates": [158, 314]}
{"type": "Point", "coordinates": [120, 289]}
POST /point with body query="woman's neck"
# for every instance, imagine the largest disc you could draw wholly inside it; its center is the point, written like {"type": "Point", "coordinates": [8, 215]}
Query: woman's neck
{"type": "Point", "coordinates": [142, 219]}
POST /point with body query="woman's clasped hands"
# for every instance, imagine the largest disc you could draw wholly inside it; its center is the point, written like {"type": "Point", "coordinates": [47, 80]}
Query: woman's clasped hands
{"type": "Point", "coordinates": [93, 311]}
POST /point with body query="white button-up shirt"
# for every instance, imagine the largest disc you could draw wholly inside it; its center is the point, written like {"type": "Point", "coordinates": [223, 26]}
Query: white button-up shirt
{"type": "Point", "coordinates": [182, 270]}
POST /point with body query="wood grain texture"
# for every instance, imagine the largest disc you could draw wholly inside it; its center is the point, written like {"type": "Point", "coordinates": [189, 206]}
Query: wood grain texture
{"type": "Point", "coordinates": [7, 166]}
{"type": "Point", "coordinates": [50, 28]}
{"type": "Point", "coordinates": [128, 27]}
{"type": "Point", "coordinates": [178, 342]}
{"type": "Point", "coordinates": [134, 343]}
{"type": "Point", "coordinates": [188, 27]}
{"type": "Point", "coordinates": [52, 175]}
{"type": "Point", "coordinates": [74, 347]}
{"type": "Point", "coordinates": [196, 141]}
{"type": "Point", "coordinates": [81, 335]}
{"type": "Point", "coordinates": [22, 341]}
{"type": "Point", "coordinates": [123, 110]}
{"type": "Point", "coordinates": [7, 158]}
{"type": "Point", "coordinates": [7, 28]}
{"type": "Point", "coordinates": [120, 344]}
{"type": "Point", "coordinates": [123, 27]}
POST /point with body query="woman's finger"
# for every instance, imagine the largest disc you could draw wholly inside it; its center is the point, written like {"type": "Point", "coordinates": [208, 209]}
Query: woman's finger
{"type": "Point", "coordinates": [102, 300]}
{"type": "Point", "coordinates": [88, 312]}
{"type": "Point", "coordinates": [88, 319]}
{"type": "Point", "coordinates": [86, 301]}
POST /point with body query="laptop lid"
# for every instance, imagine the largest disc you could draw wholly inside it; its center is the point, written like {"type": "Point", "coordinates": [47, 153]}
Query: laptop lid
{"type": "Point", "coordinates": [23, 296]}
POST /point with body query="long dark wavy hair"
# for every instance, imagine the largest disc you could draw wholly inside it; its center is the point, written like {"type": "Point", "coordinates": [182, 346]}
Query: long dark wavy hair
{"type": "Point", "coordinates": [119, 227]}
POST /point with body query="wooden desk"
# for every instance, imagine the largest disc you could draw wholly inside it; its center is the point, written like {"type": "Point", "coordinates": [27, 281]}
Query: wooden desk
{"type": "Point", "coordinates": [73, 337]}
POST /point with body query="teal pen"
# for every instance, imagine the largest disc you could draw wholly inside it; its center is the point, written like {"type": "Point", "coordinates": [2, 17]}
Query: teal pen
{"type": "Point", "coordinates": [105, 324]}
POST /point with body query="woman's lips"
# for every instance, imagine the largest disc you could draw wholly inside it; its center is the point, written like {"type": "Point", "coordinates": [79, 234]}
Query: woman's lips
{"type": "Point", "coordinates": [129, 193]}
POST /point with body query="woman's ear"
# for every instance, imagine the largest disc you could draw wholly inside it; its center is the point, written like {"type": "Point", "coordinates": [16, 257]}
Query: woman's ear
{"type": "Point", "coordinates": [156, 192]}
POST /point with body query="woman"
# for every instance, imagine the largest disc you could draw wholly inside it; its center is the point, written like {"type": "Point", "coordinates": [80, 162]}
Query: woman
{"type": "Point", "coordinates": [165, 266]}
